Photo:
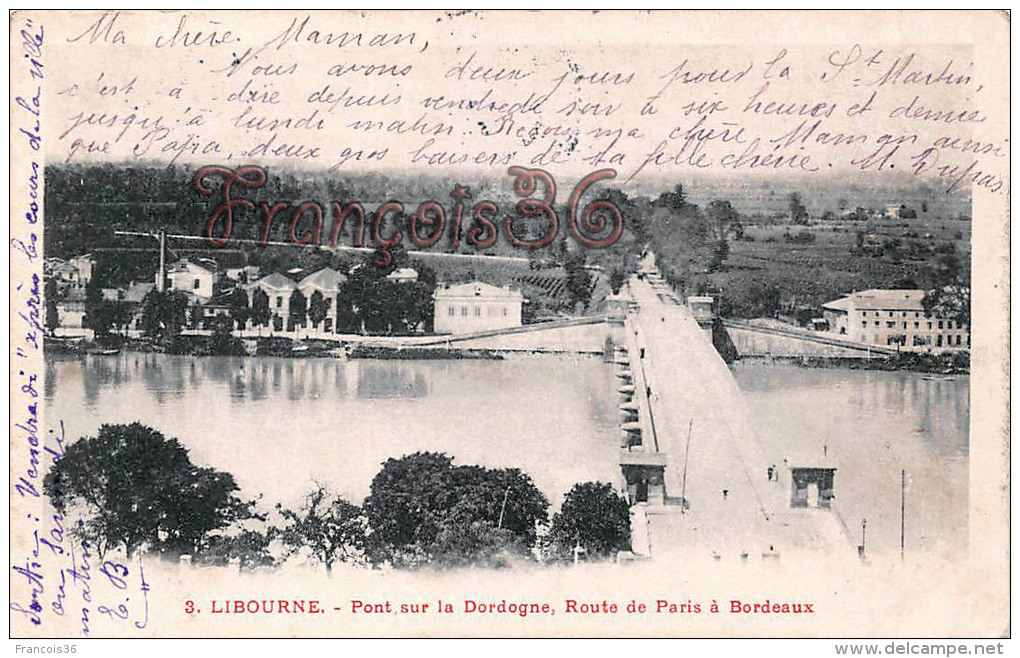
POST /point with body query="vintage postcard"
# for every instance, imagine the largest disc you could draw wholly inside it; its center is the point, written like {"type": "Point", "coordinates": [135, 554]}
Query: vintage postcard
{"type": "Point", "coordinates": [509, 324]}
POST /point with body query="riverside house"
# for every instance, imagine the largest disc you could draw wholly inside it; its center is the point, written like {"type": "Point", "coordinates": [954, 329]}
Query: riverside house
{"type": "Point", "coordinates": [894, 317]}
{"type": "Point", "coordinates": [476, 306]}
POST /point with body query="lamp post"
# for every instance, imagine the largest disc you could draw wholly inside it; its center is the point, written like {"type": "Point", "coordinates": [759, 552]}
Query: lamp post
{"type": "Point", "coordinates": [864, 536]}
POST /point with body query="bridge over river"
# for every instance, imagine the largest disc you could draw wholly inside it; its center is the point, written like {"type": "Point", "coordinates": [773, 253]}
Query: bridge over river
{"type": "Point", "coordinates": [697, 475]}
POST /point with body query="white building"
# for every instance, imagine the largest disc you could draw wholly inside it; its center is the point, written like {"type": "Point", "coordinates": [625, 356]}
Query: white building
{"type": "Point", "coordinates": [278, 288]}
{"type": "Point", "coordinates": [84, 264]}
{"type": "Point", "coordinates": [197, 277]}
{"type": "Point", "coordinates": [326, 281]}
{"type": "Point", "coordinates": [476, 306]}
{"type": "Point", "coordinates": [893, 317]}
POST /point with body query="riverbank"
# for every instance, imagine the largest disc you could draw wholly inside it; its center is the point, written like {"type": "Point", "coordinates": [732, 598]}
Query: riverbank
{"type": "Point", "coordinates": [957, 363]}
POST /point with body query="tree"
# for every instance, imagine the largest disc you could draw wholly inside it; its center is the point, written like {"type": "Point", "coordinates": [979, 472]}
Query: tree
{"type": "Point", "coordinates": [719, 255]}
{"type": "Point", "coordinates": [317, 309]}
{"type": "Point", "coordinates": [297, 310]}
{"type": "Point", "coordinates": [93, 301]}
{"type": "Point", "coordinates": [673, 200]}
{"type": "Point", "coordinates": [329, 526]}
{"type": "Point", "coordinates": [594, 517]}
{"type": "Point", "coordinates": [52, 319]}
{"type": "Point", "coordinates": [578, 280]}
{"type": "Point", "coordinates": [131, 486]}
{"type": "Point", "coordinates": [260, 313]}
{"type": "Point", "coordinates": [239, 312]}
{"type": "Point", "coordinates": [798, 213]}
{"type": "Point", "coordinates": [951, 302]}
{"type": "Point", "coordinates": [423, 509]}
{"type": "Point", "coordinates": [616, 280]}
{"type": "Point", "coordinates": [164, 314]}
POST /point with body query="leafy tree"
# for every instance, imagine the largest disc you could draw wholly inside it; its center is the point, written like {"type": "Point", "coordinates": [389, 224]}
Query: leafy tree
{"type": "Point", "coordinates": [260, 313]}
{"type": "Point", "coordinates": [115, 314]}
{"type": "Point", "coordinates": [676, 199]}
{"type": "Point", "coordinates": [417, 501]}
{"type": "Point", "coordinates": [223, 340]}
{"type": "Point", "coordinates": [93, 300]}
{"type": "Point", "coordinates": [593, 517]}
{"type": "Point", "coordinates": [719, 255]}
{"type": "Point", "coordinates": [52, 319]}
{"type": "Point", "coordinates": [951, 302]}
{"type": "Point", "coordinates": [239, 311]}
{"type": "Point", "coordinates": [798, 213]}
{"type": "Point", "coordinates": [131, 486]}
{"type": "Point", "coordinates": [578, 280]}
{"type": "Point", "coordinates": [164, 314]}
{"type": "Point", "coordinates": [616, 280]}
{"type": "Point", "coordinates": [297, 310]}
{"type": "Point", "coordinates": [317, 309]}
{"type": "Point", "coordinates": [329, 526]}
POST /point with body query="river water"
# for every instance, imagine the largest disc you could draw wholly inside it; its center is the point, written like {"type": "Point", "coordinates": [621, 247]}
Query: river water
{"type": "Point", "coordinates": [279, 425]}
{"type": "Point", "coordinates": [872, 426]}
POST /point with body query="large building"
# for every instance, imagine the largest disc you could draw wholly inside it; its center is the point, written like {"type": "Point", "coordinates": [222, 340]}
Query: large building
{"type": "Point", "coordinates": [893, 317]}
{"type": "Point", "coordinates": [278, 288]}
{"type": "Point", "coordinates": [197, 277]}
{"type": "Point", "coordinates": [476, 306]}
{"type": "Point", "coordinates": [326, 282]}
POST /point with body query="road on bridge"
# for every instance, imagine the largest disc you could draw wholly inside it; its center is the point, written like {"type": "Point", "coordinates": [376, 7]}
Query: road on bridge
{"type": "Point", "coordinates": [733, 508]}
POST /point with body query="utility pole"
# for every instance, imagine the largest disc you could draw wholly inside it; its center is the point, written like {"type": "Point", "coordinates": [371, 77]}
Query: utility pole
{"type": "Point", "coordinates": [503, 509]}
{"type": "Point", "coordinates": [903, 507]}
{"type": "Point", "coordinates": [687, 452]}
{"type": "Point", "coordinates": [161, 276]}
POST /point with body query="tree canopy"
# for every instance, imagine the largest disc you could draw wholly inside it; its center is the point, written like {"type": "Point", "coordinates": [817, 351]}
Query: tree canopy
{"type": "Point", "coordinates": [424, 509]}
{"type": "Point", "coordinates": [593, 517]}
{"type": "Point", "coordinates": [131, 486]}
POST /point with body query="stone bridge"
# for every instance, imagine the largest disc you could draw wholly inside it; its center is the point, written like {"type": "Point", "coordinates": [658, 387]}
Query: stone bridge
{"type": "Point", "coordinates": [757, 340]}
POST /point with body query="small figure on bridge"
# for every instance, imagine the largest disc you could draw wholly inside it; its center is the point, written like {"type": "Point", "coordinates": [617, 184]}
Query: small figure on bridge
{"type": "Point", "coordinates": [725, 493]}
{"type": "Point", "coordinates": [771, 471]}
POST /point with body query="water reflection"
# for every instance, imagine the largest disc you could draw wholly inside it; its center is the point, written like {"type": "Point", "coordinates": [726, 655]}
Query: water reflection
{"type": "Point", "coordinates": [277, 423]}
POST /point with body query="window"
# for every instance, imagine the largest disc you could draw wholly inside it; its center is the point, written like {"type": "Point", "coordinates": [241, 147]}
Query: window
{"type": "Point", "coordinates": [504, 310]}
{"type": "Point", "coordinates": [949, 324]}
{"type": "Point", "coordinates": [890, 313]}
{"type": "Point", "coordinates": [957, 339]}
{"type": "Point", "coordinates": [904, 314]}
{"type": "Point", "coordinates": [917, 325]}
{"type": "Point", "coordinates": [864, 324]}
{"type": "Point", "coordinates": [904, 325]}
{"type": "Point", "coordinates": [864, 313]}
{"type": "Point", "coordinates": [929, 325]}
{"type": "Point", "coordinates": [279, 301]}
{"type": "Point", "coordinates": [450, 310]}
{"type": "Point", "coordinates": [463, 310]}
{"type": "Point", "coordinates": [917, 314]}
{"type": "Point", "coordinates": [890, 325]}
{"type": "Point", "coordinates": [478, 311]}
{"type": "Point", "coordinates": [940, 324]}
{"type": "Point", "coordinates": [876, 323]}
{"type": "Point", "coordinates": [939, 341]}
{"type": "Point", "coordinates": [196, 285]}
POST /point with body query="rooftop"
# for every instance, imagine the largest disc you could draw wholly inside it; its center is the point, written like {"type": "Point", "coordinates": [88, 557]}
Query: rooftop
{"type": "Point", "coordinates": [325, 279]}
{"type": "Point", "coordinates": [479, 289]}
{"type": "Point", "coordinates": [880, 300]}
{"type": "Point", "coordinates": [274, 280]}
